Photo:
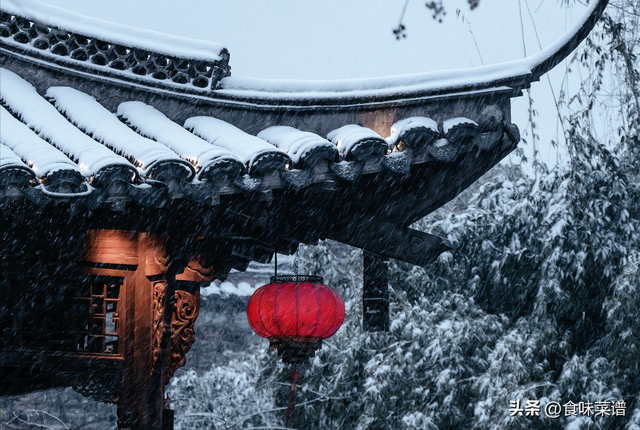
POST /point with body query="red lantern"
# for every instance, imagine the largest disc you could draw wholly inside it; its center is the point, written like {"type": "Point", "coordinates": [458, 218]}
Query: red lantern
{"type": "Point", "coordinates": [295, 313]}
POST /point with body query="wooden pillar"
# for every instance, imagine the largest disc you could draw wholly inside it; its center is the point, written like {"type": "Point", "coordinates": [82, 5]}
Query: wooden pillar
{"type": "Point", "coordinates": [141, 259]}
{"type": "Point", "coordinates": [187, 306]}
{"type": "Point", "coordinates": [375, 293]}
{"type": "Point", "coordinates": [157, 312]}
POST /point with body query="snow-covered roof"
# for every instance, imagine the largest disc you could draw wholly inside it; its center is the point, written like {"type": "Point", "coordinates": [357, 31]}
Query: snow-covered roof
{"type": "Point", "coordinates": [83, 138]}
{"type": "Point", "coordinates": [96, 121]}
{"type": "Point", "coordinates": [262, 152]}
{"type": "Point", "coordinates": [85, 45]}
{"type": "Point", "coordinates": [151, 123]}
{"type": "Point", "coordinates": [120, 34]}
{"type": "Point", "coordinates": [9, 159]}
{"type": "Point", "coordinates": [405, 88]}
{"type": "Point", "coordinates": [94, 46]}
{"type": "Point", "coordinates": [299, 145]}
{"type": "Point", "coordinates": [449, 124]}
{"type": "Point", "coordinates": [22, 99]}
{"type": "Point", "coordinates": [407, 125]}
{"type": "Point", "coordinates": [13, 171]}
{"type": "Point", "coordinates": [354, 141]}
{"type": "Point", "coordinates": [43, 158]}
{"type": "Point", "coordinates": [253, 151]}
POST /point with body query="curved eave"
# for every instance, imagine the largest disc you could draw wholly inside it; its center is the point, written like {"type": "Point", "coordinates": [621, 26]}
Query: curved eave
{"type": "Point", "coordinates": [121, 34]}
{"type": "Point", "coordinates": [515, 75]}
{"type": "Point", "coordinates": [506, 79]}
{"type": "Point", "coordinates": [264, 100]}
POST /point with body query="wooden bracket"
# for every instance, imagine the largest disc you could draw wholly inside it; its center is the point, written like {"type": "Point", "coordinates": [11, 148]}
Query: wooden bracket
{"type": "Point", "coordinates": [393, 241]}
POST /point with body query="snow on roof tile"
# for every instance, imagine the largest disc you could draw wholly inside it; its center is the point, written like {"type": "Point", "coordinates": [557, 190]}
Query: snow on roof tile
{"type": "Point", "coordinates": [43, 158]}
{"type": "Point", "coordinates": [354, 141]}
{"type": "Point", "coordinates": [402, 127]}
{"type": "Point", "coordinates": [22, 99]}
{"type": "Point", "coordinates": [13, 170]}
{"type": "Point", "coordinates": [8, 158]}
{"type": "Point", "coordinates": [94, 119]}
{"type": "Point", "coordinates": [300, 145]}
{"type": "Point", "coordinates": [151, 138]}
{"type": "Point", "coordinates": [153, 124]}
{"type": "Point", "coordinates": [450, 123]}
{"type": "Point", "coordinates": [251, 150]}
{"type": "Point", "coordinates": [116, 33]}
{"type": "Point", "coordinates": [468, 80]}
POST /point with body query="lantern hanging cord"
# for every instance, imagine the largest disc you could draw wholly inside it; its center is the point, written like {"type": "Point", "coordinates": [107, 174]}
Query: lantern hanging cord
{"type": "Point", "coordinates": [296, 262]}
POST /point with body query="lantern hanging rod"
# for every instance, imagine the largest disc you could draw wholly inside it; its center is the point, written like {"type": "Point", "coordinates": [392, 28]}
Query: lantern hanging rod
{"type": "Point", "coordinates": [296, 278]}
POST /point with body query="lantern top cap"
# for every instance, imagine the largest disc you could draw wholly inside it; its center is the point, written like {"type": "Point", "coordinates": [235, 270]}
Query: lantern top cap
{"type": "Point", "coordinates": [296, 278]}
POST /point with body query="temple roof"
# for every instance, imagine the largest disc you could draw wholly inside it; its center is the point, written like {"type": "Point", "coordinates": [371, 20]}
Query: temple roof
{"type": "Point", "coordinates": [100, 47]}
{"type": "Point", "coordinates": [66, 130]}
{"type": "Point", "coordinates": [120, 128]}
{"type": "Point", "coordinates": [62, 148]}
{"type": "Point", "coordinates": [32, 28]}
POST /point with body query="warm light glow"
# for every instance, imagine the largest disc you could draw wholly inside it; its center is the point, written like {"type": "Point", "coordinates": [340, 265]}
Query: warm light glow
{"type": "Point", "coordinates": [379, 121]}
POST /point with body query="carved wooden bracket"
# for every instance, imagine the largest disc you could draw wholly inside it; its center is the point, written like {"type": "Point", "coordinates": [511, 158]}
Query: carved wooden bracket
{"type": "Point", "coordinates": [159, 309]}
{"type": "Point", "coordinates": [196, 271]}
{"type": "Point", "coordinates": [182, 330]}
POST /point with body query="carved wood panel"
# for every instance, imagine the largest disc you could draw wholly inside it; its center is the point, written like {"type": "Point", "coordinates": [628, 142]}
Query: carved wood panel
{"type": "Point", "coordinates": [159, 309]}
{"type": "Point", "coordinates": [184, 316]}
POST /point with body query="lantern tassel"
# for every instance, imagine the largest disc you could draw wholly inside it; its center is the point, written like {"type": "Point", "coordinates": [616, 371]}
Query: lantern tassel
{"type": "Point", "coordinates": [294, 377]}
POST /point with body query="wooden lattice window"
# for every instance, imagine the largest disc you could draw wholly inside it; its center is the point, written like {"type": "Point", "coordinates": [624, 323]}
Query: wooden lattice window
{"type": "Point", "coordinates": [101, 321]}
{"type": "Point", "coordinates": [81, 315]}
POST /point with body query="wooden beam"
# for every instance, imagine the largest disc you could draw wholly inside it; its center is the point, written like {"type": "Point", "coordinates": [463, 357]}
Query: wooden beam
{"type": "Point", "coordinates": [392, 241]}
